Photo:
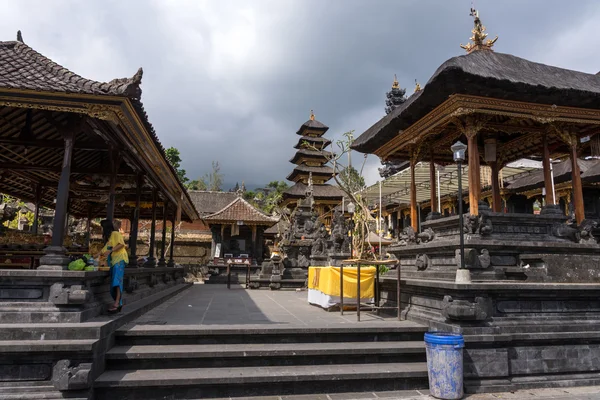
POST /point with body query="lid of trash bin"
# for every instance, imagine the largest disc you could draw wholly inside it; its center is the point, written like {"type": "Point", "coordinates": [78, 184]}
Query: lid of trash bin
{"type": "Point", "coordinates": [448, 338]}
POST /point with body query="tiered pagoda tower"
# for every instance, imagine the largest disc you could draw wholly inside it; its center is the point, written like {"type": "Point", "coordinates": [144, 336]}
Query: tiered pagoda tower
{"type": "Point", "coordinates": [311, 160]}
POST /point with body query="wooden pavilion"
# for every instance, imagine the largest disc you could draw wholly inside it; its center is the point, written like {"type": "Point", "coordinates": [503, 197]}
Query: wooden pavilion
{"type": "Point", "coordinates": [238, 232]}
{"type": "Point", "coordinates": [82, 147]}
{"type": "Point", "coordinates": [504, 107]}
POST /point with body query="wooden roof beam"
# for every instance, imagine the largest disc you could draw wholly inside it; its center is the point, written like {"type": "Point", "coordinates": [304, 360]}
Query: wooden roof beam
{"type": "Point", "coordinates": [50, 168]}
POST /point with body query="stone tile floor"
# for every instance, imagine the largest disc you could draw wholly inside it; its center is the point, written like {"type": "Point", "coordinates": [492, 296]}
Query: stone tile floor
{"type": "Point", "coordinates": [215, 305]}
{"type": "Point", "coordinates": [579, 393]}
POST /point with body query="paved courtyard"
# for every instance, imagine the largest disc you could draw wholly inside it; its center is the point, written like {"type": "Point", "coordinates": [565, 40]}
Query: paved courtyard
{"type": "Point", "coordinates": [215, 305]}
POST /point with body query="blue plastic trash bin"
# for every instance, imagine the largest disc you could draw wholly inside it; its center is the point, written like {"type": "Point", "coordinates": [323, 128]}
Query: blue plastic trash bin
{"type": "Point", "coordinates": [445, 364]}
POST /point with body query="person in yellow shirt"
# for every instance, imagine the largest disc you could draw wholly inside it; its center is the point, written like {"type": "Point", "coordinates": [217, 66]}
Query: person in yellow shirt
{"type": "Point", "coordinates": [115, 253]}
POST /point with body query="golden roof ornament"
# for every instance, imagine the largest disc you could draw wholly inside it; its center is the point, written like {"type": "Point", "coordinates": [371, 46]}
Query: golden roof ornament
{"type": "Point", "coordinates": [479, 35]}
{"type": "Point", "coordinates": [395, 85]}
{"type": "Point", "coordinates": [312, 115]}
{"type": "Point", "coordinates": [417, 86]}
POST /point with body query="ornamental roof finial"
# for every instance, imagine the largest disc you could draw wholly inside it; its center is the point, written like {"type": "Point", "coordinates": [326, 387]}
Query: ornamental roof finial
{"type": "Point", "coordinates": [312, 115]}
{"type": "Point", "coordinates": [395, 85]}
{"type": "Point", "coordinates": [19, 37]}
{"type": "Point", "coordinates": [479, 35]}
{"type": "Point", "coordinates": [417, 86]}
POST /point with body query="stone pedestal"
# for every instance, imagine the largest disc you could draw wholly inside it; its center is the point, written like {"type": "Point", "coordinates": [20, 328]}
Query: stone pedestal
{"type": "Point", "coordinates": [54, 259]}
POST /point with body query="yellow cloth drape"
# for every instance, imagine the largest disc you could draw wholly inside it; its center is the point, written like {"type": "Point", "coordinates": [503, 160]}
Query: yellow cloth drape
{"type": "Point", "coordinates": [327, 280]}
{"type": "Point", "coordinates": [116, 256]}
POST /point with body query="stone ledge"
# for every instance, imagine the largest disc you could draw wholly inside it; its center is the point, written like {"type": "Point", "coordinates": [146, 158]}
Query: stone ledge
{"type": "Point", "coordinates": [495, 285]}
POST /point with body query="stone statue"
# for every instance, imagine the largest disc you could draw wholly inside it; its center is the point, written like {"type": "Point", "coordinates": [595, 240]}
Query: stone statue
{"type": "Point", "coordinates": [408, 236]}
{"type": "Point", "coordinates": [338, 231]}
{"type": "Point", "coordinates": [319, 247]}
{"type": "Point", "coordinates": [585, 231]}
{"type": "Point", "coordinates": [426, 236]}
{"type": "Point", "coordinates": [311, 226]}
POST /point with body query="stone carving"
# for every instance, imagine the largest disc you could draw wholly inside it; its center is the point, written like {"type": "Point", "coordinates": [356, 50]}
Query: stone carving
{"type": "Point", "coordinates": [303, 257]}
{"type": "Point", "coordinates": [408, 236]}
{"type": "Point", "coordinates": [485, 226]}
{"type": "Point", "coordinates": [480, 224]}
{"type": "Point", "coordinates": [68, 377]}
{"type": "Point", "coordinates": [74, 294]}
{"type": "Point", "coordinates": [338, 231]}
{"type": "Point", "coordinates": [565, 231]}
{"type": "Point", "coordinates": [131, 284]}
{"type": "Point", "coordinates": [473, 260]}
{"type": "Point", "coordinates": [585, 231]}
{"type": "Point", "coordinates": [471, 223]}
{"type": "Point", "coordinates": [484, 259]}
{"type": "Point", "coordinates": [465, 310]}
{"type": "Point", "coordinates": [153, 280]}
{"type": "Point", "coordinates": [423, 262]}
{"type": "Point", "coordinates": [426, 236]}
{"type": "Point", "coordinates": [167, 278]}
{"type": "Point", "coordinates": [319, 247]}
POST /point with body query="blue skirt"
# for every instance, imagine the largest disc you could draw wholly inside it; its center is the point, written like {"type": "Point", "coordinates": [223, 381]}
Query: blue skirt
{"type": "Point", "coordinates": [116, 280]}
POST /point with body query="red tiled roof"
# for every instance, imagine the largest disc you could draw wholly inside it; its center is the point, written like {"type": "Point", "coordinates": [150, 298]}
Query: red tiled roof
{"type": "Point", "coordinates": [241, 210]}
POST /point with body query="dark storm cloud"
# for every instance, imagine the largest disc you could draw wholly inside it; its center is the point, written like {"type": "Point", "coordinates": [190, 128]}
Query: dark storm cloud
{"type": "Point", "coordinates": [233, 80]}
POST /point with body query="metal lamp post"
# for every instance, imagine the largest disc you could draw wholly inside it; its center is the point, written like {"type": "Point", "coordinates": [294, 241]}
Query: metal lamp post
{"type": "Point", "coordinates": [463, 275]}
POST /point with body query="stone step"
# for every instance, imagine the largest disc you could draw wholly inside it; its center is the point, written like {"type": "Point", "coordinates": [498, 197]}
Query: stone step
{"type": "Point", "coordinates": [236, 355]}
{"type": "Point", "coordinates": [255, 381]}
{"type": "Point", "coordinates": [188, 334]}
{"type": "Point", "coordinates": [40, 346]}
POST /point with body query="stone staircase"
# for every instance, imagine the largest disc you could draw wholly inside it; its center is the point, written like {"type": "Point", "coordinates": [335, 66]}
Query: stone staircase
{"type": "Point", "coordinates": [158, 362]}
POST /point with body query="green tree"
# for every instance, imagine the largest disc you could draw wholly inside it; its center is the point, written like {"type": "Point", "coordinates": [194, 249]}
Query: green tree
{"type": "Point", "coordinates": [210, 181]}
{"type": "Point", "coordinates": [350, 178]}
{"type": "Point", "coordinates": [196, 184]}
{"type": "Point", "coordinates": [214, 180]}
{"type": "Point", "coordinates": [174, 158]}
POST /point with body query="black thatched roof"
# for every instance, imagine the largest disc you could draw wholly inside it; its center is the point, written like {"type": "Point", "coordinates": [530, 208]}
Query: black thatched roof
{"type": "Point", "coordinates": [312, 125]}
{"type": "Point", "coordinates": [304, 169]}
{"type": "Point", "coordinates": [319, 142]}
{"type": "Point", "coordinates": [561, 172]}
{"type": "Point", "coordinates": [316, 154]}
{"type": "Point", "coordinates": [486, 74]}
{"type": "Point", "coordinates": [319, 191]}
{"type": "Point", "coordinates": [23, 68]}
{"type": "Point", "coordinates": [208, 202]}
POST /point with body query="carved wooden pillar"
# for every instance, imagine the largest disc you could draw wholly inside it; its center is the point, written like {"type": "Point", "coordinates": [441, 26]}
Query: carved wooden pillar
{"type": "Point", "coordinates": [577, 187]}
{"type": "Point", "coordinates": [414, 212]}
{"type": "Point", "coordinates": [135, 221]}
{"type": "Point", "coordinates": [151, 262]}
{"type": "Point", "coordinates": [55, 254]}
{"type": "Point", "coordinates": [433, 190]}
{"type": "Point", "coordinates": [162, 262]}
{"type": "Point", "coordinates": [547, 173]}
{"type": "Point", "coordinates": [571, 139]}
{"type": "Point", "coordinates": [473, 171]}
{"type": "Point", "coordinates": [496, 200]}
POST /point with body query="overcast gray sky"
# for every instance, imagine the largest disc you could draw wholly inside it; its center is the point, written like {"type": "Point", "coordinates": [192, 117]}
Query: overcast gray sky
{"type": "Point", "coordinates": [232, 80]}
